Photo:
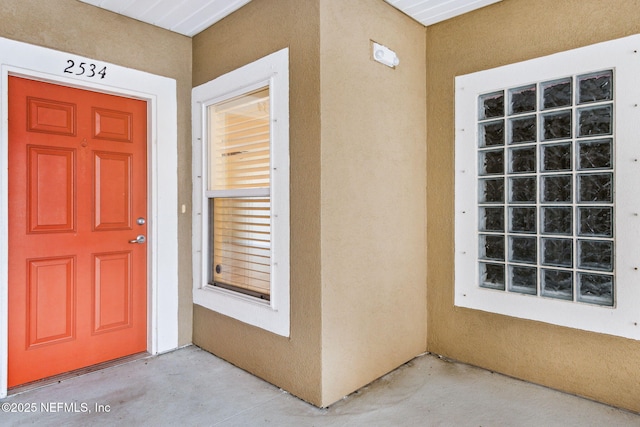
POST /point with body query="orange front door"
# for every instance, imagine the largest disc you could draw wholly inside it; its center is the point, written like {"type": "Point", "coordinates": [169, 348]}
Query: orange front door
{"type": "Point", "coordinates": [77, 197]}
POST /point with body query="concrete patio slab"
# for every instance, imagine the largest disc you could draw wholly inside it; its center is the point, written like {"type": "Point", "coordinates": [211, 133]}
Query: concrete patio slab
{"type": "Point", "coordinates": [190, 387]}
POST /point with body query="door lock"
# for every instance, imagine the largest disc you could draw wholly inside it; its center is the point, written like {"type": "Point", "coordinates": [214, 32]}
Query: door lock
{"type": "Point", "coordinates": [139, 239]}
{"type": "Point", "coordinates": [140, 221]}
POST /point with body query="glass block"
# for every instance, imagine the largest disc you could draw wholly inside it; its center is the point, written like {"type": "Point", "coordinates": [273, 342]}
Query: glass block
{"type": "Point", "coordinates": [595, 87]}
{"type": "Point", "coordinates": [557, 284]}
{"type": "Point", "coordinates": [556, 125]}
{"type": "Point", "coordinates": [491, 134]}
{"type": "Point", "coordinates": [595, 221]}
{"type": "Point", "coordinates": [595, 121]}
{"type": "Point", "coordinates": [491, 247]}
{"type": "Point", "coordinates": [491, 190]}
{"type": "Point", "coordinates": [523, 280]}
{"type": "Point", "coordinates": [491, 105]}
{"type": "Point", "coordinates": [522, 190]}
{"type": "Point", "coordinates": [595, 255]}
{"type": "Point", "coordinates": [492, 276]}
{"type": "Point", "coordinates": [556, 157]}
{"type": "Point", "coordinates": [557, 188]}
{"type": "Point", "coordinates": [522, 220]}
{"type": "Point", "coordinates": [492, 219]}
{"type": "Point", "coordinates": [596, 154]}
{"type": "Point", "coordinates": [522, 130]}
{"type": "Point", "coordinates": [557, 220]}
{"type": "Point", "coordinates": [491, 162]}
{"type": "Point", "coordinates": [523, 99]}
{"type": "Point", "coordinates": [595, 289]}
{"type": "Point", "coordinates": [523, 249]}
{"type": "Point", "coordinates": [595, 187]}
{"type": "Point", "coordinates": [557, 252]}
{"type": "Point", "coordinates": [556, 93]}
{"type": "Point", "coordinates": [522, 160]}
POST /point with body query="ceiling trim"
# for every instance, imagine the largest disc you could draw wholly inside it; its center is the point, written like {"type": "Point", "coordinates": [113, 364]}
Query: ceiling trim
{"type": "Point", "coordinates": [190, 17]}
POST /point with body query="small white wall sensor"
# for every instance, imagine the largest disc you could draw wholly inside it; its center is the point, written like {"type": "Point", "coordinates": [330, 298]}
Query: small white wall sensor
{"type": "Point", "coordinates": [384, 55]}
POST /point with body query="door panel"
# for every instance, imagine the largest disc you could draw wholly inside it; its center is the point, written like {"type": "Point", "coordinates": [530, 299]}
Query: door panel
{"type": "Point", "coordinates": [112, 125]}
{"type": "Point", "coordinates": [51, 300]}
{"type": "Point", "coordinates": [51, 195]}
{"type": "Point", "coordinates": [77, 180]}
{"type": "Point", "coordinates": [49, 116]}
{"type": "Point", "coordinates": [112, 193]}
{"type": "Point", "coordinates": [112, 291]}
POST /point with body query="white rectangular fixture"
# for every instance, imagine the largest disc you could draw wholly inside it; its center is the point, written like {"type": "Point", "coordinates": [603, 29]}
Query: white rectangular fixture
{"type": "Point", "coordinates": [384, 55]}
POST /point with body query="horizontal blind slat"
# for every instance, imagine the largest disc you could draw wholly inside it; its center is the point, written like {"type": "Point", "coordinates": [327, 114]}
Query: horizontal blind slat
{"type": "Point", "coordinates": [243, 141]}
{"type": "Point", "coordinates": [244, 102]}
{"type": "Point", "coordinates": [253, 126]}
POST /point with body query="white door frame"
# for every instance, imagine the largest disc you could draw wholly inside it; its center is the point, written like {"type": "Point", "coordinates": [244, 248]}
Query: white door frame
{"type": "Point", "coordinates": [21, 59]}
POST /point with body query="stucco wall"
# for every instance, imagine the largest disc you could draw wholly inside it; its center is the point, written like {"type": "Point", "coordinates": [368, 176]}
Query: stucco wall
{"type": "Point", "coordinates": [357, 193]}
{"type": "Point", "coordinates": [600, 367]}
{"type": "Point", "coordinates": [373, 198]}
{"type": "Point", "coordinates": [256, 30]}
{"type": "Point", "coordinates": [72, 26]}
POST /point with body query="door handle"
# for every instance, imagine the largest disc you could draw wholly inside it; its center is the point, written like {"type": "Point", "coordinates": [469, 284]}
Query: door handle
{"type": "Point", "coordinates": [139, 239]}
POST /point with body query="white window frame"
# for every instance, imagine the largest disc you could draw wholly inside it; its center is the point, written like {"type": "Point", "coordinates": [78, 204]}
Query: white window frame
{"type": "Point", "coordinates": [272, 315]}
{"type": "Point", "coordinates": [623, 319]}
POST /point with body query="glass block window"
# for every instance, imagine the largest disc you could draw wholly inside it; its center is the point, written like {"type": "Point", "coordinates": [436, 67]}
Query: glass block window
{"type": "Point", "coordinates": [545, 154]}
{"type": "Point", "coordinates": [547, 207]}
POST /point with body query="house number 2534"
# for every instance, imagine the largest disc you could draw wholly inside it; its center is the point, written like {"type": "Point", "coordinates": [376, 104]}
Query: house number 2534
{"type": "Point", "coordinates": [85, 69]}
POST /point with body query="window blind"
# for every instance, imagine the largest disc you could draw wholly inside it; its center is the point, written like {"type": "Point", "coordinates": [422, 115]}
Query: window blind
{"type": "Point", "coordinates": [241, 243]}
{"type": "Point", "coordinates": [238, 163]}
{"type": "Point", "coordinates": [240, 142]}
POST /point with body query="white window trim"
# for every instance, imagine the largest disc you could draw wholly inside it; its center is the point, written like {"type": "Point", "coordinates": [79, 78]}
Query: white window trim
{"type": "Point", "coordinates": [623, 56]}
{"type": "Point", "coordinates": [273, 316]}
{"type": "Point", "coordinates": [21, 59]}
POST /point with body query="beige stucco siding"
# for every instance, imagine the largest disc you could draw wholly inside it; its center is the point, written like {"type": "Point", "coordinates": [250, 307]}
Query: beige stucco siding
{"type": "Point", "coordinates": [601, 367]}
{"type": "Point", "coordinates": [256, 30]}
{"type": "Point", "coordinates": [373, 199]}
{"type": "Point", "coordinates": [78, 28]}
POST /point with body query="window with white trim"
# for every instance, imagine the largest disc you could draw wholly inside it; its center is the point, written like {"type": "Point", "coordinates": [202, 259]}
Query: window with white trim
{"type": "Point", "coordinates": [546, 209]}
{"type": "Point", "coordinates": [241, 194]}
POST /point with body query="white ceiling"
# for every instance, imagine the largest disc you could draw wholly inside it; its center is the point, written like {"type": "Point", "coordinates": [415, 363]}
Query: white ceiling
{"type": "Point", "coordinates": [189, 17]}
{"type": "Point", "coordinates": [429, 12]}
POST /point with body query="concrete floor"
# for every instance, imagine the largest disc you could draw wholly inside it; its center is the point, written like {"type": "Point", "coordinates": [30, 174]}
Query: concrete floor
{"type": "Point", "coordinates": [190, 387]}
